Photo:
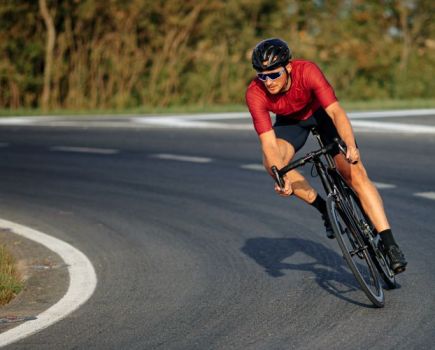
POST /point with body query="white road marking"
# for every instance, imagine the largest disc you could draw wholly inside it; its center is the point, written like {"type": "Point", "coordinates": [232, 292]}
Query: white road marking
{"type": "Point", "coordinates": [191, 122]}
{"type": "Point", "coordinates": [260, 167]}
{"type": "Point", "coordinates": [394, 127]}
{"type": "Point", "coordinates": [211, 121]}
{"type": "Point", "coordinates": [16, 120]}
{"type": "Point", "coordinates": [187, 119]}
{"type": "Point", "coordinates": [393, 114]}
{"type": "Point", "coordinates": [428, 195]}
{"type": "Point", "coordinates": [201, 121]}
{"type": "Point", "coordinates": [220, 116]}
{"type": "Point", "coordinates": [182, 158]}
{"type": "Point", "coordinates": [82, 283]}
{"type": "Point", "coordinates": [358, 124]}
{"type": "Point", "coordinates": [84, 150]}
{"type": "Point", "coordinates": [256, 167]}
{"type": "Point", "coordinates": [246, 115]}
{"type": "Point", "coordinates": [381, 185]}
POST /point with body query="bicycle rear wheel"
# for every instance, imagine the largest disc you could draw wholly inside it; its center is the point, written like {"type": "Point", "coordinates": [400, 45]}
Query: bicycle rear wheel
{"type": "Point", "coordinates": [355, 251]}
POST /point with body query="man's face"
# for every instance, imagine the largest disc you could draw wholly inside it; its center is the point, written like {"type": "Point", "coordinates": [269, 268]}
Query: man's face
{"type": "Point", "coordinates": [274, 86]}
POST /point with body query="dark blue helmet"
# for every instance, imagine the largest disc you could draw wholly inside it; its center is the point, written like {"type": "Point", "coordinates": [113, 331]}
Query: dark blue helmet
{"type": "Point", "coordinates": [270, 54]}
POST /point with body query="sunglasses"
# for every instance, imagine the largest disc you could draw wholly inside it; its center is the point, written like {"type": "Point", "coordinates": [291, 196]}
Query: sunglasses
{"type": "Point", "coordinates": [271, 76]}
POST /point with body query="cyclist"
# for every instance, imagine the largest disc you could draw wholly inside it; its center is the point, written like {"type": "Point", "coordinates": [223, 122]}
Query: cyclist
{"type": "Point", "coordinates": [299, 94]}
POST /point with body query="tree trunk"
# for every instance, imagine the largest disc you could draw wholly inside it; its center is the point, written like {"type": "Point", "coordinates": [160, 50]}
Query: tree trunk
{"type": "Point", "coordinates": [49, 48]}
{"type": "Point", "coordinates": [406, 47]}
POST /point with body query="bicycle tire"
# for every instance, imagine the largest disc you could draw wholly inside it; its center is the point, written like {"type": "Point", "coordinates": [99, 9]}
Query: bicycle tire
{"type": "Point", "coordinates": [376, 250]}
{"type": "Point", "coordinates": [355, 252]}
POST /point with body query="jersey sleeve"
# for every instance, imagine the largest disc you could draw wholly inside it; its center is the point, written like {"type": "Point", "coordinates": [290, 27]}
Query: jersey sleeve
{"type": "Point", "coordinates": [316, 81]}
{"type": "Point", "coordinates": [257, 106]}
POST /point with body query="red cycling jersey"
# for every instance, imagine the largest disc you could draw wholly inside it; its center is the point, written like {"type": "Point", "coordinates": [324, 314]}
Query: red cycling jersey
{"type": "Point", "coordinates": [309, 90]}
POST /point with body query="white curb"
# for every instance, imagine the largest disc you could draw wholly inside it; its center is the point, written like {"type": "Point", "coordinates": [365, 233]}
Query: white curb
{"type": "Point", "coordinates": [83, 281]}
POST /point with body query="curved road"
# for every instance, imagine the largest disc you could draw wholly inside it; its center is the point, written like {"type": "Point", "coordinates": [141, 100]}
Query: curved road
{"type": "Point", "coordinates": [199, 253]}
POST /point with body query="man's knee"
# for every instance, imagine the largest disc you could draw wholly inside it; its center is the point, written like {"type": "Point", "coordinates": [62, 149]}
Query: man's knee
{"type": "Point", "coordinates": [286, 149]}
{"type": "Point", "coordinates": [357, 175]}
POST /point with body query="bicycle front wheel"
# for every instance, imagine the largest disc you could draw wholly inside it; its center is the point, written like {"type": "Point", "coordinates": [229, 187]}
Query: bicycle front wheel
{"type": "Point", "coordinates": [355, 251]}
{"type": "Point", "coordinates": [381, 261]}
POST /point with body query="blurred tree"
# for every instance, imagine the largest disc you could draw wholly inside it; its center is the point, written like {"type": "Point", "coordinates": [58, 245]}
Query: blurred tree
{"type": "Point", "coordinates": [126, 53]}
{"type": "Point", "coordinates": [51, 37]}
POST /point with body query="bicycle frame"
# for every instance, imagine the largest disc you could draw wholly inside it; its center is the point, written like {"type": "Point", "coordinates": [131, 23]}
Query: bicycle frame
{"type": "Point", "coordinates": [331, 179]}
{"type": "Point", "coordinates": [363, 242]}
{"type": "Point", "coordinates": [320, 167]}
{"type": "Point", "coordinates": [327, 176]}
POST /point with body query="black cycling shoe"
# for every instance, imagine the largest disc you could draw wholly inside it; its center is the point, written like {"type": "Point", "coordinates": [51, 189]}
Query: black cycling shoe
{"type": "Point", "coordinates": [397, 259]}
{"type": "Point", "coordinates": [328, 227]}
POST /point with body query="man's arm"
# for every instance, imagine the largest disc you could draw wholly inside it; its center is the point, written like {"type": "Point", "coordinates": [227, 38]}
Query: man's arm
{"type": "Point", "coordinates": [316, 81]}
{"type": "Point", "coordinates": [344, 128]}
{"type": "Point", "coordinates": [272, 156]}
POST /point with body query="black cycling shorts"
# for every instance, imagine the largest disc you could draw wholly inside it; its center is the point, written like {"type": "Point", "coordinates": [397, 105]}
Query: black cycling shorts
{"type": "Point", "coordinates": [296, 132]}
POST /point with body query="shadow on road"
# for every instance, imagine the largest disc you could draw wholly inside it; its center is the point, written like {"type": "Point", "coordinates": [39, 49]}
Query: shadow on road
{"type": "Point", "coordinates": [329, 268]}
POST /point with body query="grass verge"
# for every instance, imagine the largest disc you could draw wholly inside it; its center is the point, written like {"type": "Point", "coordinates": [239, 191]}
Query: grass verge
{"type": "Point", "coordinates": [348, 105]}
{"type": "Point", "coordinates": [10, 283]}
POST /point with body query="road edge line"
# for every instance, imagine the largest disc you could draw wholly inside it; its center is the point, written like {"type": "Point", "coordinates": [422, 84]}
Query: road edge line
{"type": "Point", "coordinates": [82, 283]}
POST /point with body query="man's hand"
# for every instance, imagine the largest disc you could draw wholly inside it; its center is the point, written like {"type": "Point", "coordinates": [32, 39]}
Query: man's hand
{"type": "Point", "coordinates": [352, 154]}
{"type": "Point", "coordinates": [287, 190]}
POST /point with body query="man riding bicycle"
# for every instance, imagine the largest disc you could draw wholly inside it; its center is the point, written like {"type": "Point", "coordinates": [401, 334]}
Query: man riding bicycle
{"type": "Point", "coordinates": [299, 94]}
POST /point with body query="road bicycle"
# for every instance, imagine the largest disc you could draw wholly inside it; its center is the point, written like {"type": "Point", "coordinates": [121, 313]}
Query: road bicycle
{"type": "Point", "coordinates": [358, 240]}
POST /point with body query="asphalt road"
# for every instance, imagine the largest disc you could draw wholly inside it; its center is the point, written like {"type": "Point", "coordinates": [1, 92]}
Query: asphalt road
{"type": "Point", "coordinates": [199, 253]}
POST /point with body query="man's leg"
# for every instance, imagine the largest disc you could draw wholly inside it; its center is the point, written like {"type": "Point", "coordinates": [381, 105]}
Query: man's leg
{"type": "Point", "coordinates": [356, 176]}
{"type": "Point", "coordinates": [301, 188]}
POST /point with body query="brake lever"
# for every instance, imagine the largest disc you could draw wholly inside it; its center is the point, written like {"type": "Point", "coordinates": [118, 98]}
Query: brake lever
{"type": "Point", "coordinates": [341, 145]}
{"type": "Point", "coordinates": [343, 148]}
{"type": "Point", "coordinates": [278, 179]}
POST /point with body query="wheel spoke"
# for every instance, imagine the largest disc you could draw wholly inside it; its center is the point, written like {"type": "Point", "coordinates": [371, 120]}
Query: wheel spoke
{"type": "Point", "coordinates": [349, 234]}
{"type": "Point", "coordinates": [373, 242]}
